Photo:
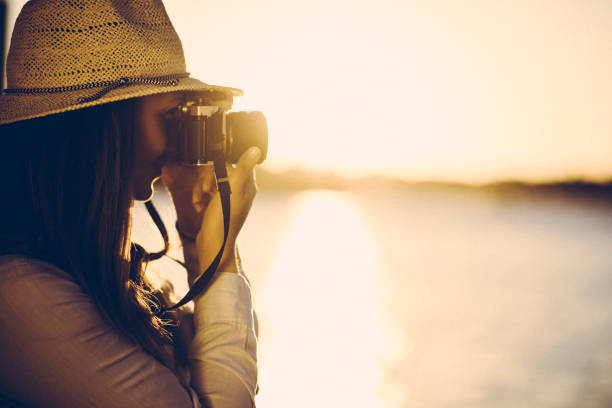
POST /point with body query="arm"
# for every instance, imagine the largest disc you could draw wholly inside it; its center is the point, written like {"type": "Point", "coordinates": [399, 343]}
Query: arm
{"type": "Point", "coordinates": [58, 351]}
{"type": "Point", "coordinates": [223, 351]}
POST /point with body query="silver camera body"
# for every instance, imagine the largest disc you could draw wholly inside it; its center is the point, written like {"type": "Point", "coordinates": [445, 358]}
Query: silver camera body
{"type": "Point", "coordinates": [206, 132]}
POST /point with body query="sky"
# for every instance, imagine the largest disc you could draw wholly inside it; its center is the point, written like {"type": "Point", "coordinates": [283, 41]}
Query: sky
{"type": "Point", "coordinates": [471, 91]}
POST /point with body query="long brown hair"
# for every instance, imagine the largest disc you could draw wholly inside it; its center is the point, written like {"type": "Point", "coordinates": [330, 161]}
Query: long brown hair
{"type": "Point", "coordinates": [68, 199]}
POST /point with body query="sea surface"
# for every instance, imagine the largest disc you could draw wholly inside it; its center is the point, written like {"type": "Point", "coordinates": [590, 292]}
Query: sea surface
{"type": "Point", "coordinates": [425, 299]}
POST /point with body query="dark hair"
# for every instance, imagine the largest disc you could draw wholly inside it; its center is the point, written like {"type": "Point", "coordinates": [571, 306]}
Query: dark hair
{"type": "Point", "coordinates": [69, 179]}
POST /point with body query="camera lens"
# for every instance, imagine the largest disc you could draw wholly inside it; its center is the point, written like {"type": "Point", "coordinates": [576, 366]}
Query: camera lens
{"type": "Point", "coordinates": [247, 129]}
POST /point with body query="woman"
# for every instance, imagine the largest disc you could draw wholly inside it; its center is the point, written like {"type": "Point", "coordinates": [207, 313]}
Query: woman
{"type": "Point", "coordinates": [89, 86]}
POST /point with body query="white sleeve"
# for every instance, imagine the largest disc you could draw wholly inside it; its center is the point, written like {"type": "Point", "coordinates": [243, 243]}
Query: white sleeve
{"type": "Point", "coordinates": [223, 352]}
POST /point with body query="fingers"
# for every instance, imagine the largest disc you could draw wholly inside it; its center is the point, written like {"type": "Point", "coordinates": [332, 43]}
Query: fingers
{"type": "Point", "coordinates": [204, 188]}
{"type": "Point", "coordinates": [242, 182]}
{"type": "Point", "coordinates": [243, 177]}
{"type": "Point", "coordinates": [246, 163]}
{"type": "Point", "coordinates": [207, 179]}
{"type": "Point", "coordinates": [196, 199]}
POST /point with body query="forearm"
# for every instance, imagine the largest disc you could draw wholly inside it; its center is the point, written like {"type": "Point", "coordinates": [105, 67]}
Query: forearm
{"type": "Point", "coordinates": [230, 263]}
{"type": "Point", "coordinates": [190, 256]}
{"type": "Point", "coordinates": [223, 353]}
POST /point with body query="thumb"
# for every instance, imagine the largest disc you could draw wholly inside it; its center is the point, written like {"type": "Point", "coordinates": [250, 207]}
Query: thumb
{"type": "Point", "coordinates": [248, 160]}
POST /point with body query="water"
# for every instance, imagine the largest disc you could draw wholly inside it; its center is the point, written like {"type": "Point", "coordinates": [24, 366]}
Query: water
{"type": "Point", "coordinates": [428, 299]}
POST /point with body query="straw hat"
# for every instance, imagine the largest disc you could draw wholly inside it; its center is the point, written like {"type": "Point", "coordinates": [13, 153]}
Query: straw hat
{"type": "Point", "coordinates": [68, 55]}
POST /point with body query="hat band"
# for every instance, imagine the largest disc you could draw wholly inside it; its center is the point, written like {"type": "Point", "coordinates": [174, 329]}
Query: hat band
{"type": "Point", "coordinates": [166, 80]}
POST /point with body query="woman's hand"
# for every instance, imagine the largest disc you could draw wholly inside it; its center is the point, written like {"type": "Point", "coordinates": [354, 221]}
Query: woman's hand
{"type": "Point", "coordinates": [198, 207]}
{"type": "Point", "coordinates": [191, 189]}
{"type": "Point", "coordinates": [210, 237]}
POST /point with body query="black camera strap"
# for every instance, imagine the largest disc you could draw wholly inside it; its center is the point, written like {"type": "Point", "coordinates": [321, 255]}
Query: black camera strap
{"type": "Point", "coordinates": [201, 284]}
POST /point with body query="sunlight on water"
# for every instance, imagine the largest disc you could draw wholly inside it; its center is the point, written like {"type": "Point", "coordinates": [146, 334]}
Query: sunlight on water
{"type": "Point", "coordinates": [423, 299]}
{"type": "Point", "coordinates": [322, 331]}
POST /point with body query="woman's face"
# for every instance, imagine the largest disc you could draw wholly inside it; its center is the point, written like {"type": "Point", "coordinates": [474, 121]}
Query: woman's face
{"type": "Point", "coordinates": [151, 140]}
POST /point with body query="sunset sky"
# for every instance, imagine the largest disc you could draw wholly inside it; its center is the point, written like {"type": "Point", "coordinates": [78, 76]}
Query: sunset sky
{"type": "Point", "coordinates": [468, 91]}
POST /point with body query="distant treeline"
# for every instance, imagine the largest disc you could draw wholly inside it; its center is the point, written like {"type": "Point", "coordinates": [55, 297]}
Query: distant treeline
{"type": "Point", "coordinates": [569, 188]}
{"type": "Point", "coordinates": [298, 179]}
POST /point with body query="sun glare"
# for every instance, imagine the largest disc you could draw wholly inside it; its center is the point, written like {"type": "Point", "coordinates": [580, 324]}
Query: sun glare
{"type": "Point", "coordinates": [418, 89]}
{"type": "Point", "coordinates": [322, 339]}
{"type": "Point", "coordinates": [337, 100]}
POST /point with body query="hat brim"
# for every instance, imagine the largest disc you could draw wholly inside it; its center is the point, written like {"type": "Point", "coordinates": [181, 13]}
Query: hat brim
{"type": "Point", "coordinates": [17, 107]}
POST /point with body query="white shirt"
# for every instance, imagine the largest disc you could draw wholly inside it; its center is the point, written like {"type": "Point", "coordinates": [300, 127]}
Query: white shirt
{"type": "Point", "coordinates": [58, 351]}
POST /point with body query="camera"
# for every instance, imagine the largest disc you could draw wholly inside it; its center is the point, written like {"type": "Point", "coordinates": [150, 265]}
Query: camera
{"type": "Point", "coordinates": [206, 132]}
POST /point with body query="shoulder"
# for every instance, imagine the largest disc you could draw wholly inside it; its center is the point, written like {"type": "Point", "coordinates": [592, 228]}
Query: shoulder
{"type": "Point", "coordinates": [56, 343]}
{"type": "Point", "coordinates": [28, 281]}
{"type": "Point", "coordinates": [16, 268]}
{"type": "Point", "coordinates": [37, 296]}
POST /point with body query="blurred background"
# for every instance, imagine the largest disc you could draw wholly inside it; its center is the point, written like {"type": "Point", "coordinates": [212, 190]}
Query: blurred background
{"type": "Point", "coordinates": [434, 219]}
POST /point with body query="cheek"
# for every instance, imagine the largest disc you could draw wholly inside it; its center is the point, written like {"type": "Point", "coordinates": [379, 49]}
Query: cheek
{"type": "Point", "coordinates": [150, 141]}
{"type": "Point", "coordinates": [150, 144]}
{"type": "Point", "coordinates": [153, 138]}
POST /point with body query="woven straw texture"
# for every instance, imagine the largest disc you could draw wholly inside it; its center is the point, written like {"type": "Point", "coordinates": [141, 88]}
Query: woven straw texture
{"type": "Point", "coordinates": [62, 43]}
